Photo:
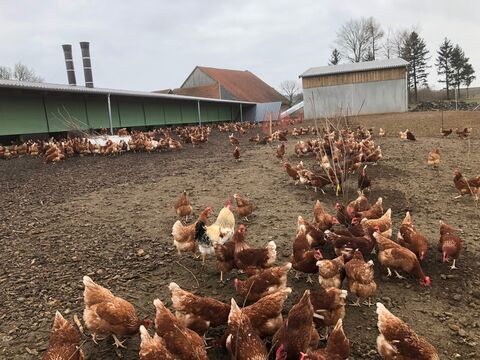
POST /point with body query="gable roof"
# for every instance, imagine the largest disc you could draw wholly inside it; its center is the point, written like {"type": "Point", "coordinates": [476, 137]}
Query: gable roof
{"type": "Point", "coordinates": [243, 85]}
{"type": "Point", "coordinates": [208, 91]}
{"type": "Point", "coordinates": [355, 67]}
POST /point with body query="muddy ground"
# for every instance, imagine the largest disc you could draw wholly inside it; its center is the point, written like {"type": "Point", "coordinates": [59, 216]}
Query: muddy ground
{"type": "Point", "coordinates": [92, 216]}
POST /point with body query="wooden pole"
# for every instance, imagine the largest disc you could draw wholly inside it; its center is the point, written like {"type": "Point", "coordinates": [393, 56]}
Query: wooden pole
{"type": "Point", "coordinates": [270, 114]}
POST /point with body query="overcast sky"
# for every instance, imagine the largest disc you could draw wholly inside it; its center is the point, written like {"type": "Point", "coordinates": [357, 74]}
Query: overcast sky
{"type": "Point", "coordinates": [150, 45]}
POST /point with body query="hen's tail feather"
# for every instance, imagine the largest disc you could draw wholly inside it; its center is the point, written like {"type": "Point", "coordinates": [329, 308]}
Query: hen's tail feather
{"type": "Point", "coordinates": [272, 252]}
{"type": "Point", "coordinates": [177, 230]}
{"type": "Point", "coordinates": [94, 293]}
{"type": "Point", "coordinates": [59, 321]}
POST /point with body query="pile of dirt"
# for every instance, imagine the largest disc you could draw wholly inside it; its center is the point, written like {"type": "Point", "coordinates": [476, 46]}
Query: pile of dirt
{"type": "Point", "coordinates": [92, 215]}
{"type": "Point", "coordinates": [447, 106]}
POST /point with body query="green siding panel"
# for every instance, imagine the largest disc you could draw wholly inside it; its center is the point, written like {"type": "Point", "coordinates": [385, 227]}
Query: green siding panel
{"type": "Point", "coordinates": [211, 112]}
{"type": "Point", "coordinates": [190, 112]}
{"type": "Point", "coordinates": [115, 114]}
{"type": "Point", "coordinates": [66, 113]}
{"type": "Point", "coordinates": [131, 113]}
{"type": "Point", "coordinates": [97, 110]}
{"type": "Point", "coordinates": [224, 112]}
{"type": "Point", "coordinates": [22, 115]}
{"type": "Point", "coordinates": [154, 113]}
{"type": "Point", "coordinates": [173, 113]}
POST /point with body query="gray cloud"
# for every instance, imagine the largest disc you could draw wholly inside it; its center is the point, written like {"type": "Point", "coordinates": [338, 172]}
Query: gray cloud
{"type": "Point", "coordinates": [147, 45]}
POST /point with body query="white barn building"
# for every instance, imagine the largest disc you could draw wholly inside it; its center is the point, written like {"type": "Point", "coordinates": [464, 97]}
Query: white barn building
{"type": "Point", "coordinates": [369, 87]}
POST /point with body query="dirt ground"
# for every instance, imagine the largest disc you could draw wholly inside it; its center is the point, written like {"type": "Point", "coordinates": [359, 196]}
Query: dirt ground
{"type": "Point", "coordinates": [92, 215]}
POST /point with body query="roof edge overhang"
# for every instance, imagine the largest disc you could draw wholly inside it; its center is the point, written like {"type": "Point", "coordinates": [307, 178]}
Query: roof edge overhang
{"type": "Point", "coordinates": [48, 87]}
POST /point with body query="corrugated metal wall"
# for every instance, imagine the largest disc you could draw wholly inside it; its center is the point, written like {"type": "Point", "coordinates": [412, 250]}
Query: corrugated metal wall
{"type": "Point", "coordinates": [198, 78]}
{"type": "Point", "coordinates": [364, 98]}
{"type": "Point", "coordinates": [26, 112]}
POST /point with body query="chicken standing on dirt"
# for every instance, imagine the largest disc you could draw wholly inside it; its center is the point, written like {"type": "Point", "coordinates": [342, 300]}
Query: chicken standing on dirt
{"type": "Point", "coordinates": [331, 272]}
{"type": "Point", "coordinates": [298, 333]}
{"type": "Point", "coordinates": [338, 346]}
{"type": "Point", "coordinates": [398, 341]}
{"type": "Point", "coordinates": [364, 181]}
{"type": "Point", "coordinates": [292, 172]}
{"type": "Point", "coordinates": [304, 257]}
{"type": "Point", "coordinates": [183, 343]}
{"type": "Point", "coordinates": [224, 226]}
{"type": "Point", "coordinates": [252, 260]}
{"type": "Point", "coordinates": [233, 140]}
{"type": "Point", "coordinates": [184, 236]}
{"type": "Point", "coordinates": [384, 223]}
{"type": "Point", "coordinates": [322, 220]}
{"type": "Point", "coordinates": [433, 158]}
{"type": "Point", "coordinates": [225, 257]}
{"type": "Point", "coordinates": [450, 244]}
{"type": "Point", "coordinates": [372, 212]}
{"type": "Point", "coordinates": [281, 151]}
{"type": "Point", "coordinates": [245, 207]}
{"type": "Point", "coordinates": [266, 314]}
{"type": "Point", "coordinates": [466, 186]}
{"type": "Point", "coordinates": [361, 278]}
{"type": "Point", "coordinates": [64, 342]}
{"type": "Point", "coordinates": [314, 235]}
{"type": "Point", "coordinates": [267, 282]}
{"type": "Point", "coordinates": [409, 237]}
{"type": "Point", "coordinates": [183, 208]}
{"type": "Point", "coordinates": [108, 314]}
{"type": "Point", "coordinates": [196, 312]}
{"type": "Point", "coordinates": [243, 341]}
{"type": "Point", "coordinates": [236, 153]}
{"type": "Point", "coordinates": [396, 257]}
{"type": "Point", "coordinates": [153, 348]}
{"type": "Point", "coordinates": [329, 303]}
{"type": "Point", "coordinates": [219, 232]}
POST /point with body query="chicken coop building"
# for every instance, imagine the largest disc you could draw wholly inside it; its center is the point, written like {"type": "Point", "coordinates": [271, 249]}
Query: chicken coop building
{"type": "Point", "coordinates": [369, 87]}
{"type": "Point", "coordinates": [234, 85]}
{"type": "Point", "coordinates": [28, 108]}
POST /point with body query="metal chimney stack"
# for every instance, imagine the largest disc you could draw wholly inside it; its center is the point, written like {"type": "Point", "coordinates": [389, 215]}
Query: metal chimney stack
{"type": "Point", "coordinates": [67, 51]}
{"type": "Point", "coordinates": [87, 65]}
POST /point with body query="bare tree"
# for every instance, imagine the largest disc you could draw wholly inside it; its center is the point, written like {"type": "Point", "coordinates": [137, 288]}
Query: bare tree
{"type": "Point", "coordinates": [21, 72]}
{"type": "Point", "coordinates": [375, 33]}
{"type": "Point", "coordinates": [399, 39]}
{"type": "Point", "coordinates": [5, 73]}
{"type": "Point", "coordinates": [394, 43]}
{"type": "Point", "coordinates": [289, 89]}
{"type": "Point", "coordinates": [387, 46]}
{"type": "Point", "coordinates": [353, 39]}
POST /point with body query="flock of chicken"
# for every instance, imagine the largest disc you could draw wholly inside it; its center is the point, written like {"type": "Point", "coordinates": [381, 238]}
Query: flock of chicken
{"type": "Point", "coordinates": [333, 246]}
{"type": "Point", "coordinates": [160, 139]}
{"type": "Point", "coordinates": [352, 234]}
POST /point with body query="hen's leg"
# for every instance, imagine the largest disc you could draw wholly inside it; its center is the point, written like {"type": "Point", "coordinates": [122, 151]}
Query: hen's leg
{"type": "Point", "coordinates": [453, 267]}
{"type": "Point", "coordinates": [356, 303]}
{"type": "Point", "coordinates": [368, 302]}
{"type": "Point", "coordinates": [297, 275]}
{"type": "Point", "coordinates": [221, 276]}
{"type": "Point", "coordinates": [117, 342]}
{"type": "Point", "coordinates": [389, 272]}
{"type": "Point", "coordinates": [398, 275]}
{"type": "Point", "coordinates": [309, 279]}
{"type": "Point", "coordinates": [203, 259]}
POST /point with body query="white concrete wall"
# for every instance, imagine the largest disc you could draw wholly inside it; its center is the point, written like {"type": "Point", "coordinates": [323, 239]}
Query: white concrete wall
{"type": "Point", "coordinates": [365, 98]}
